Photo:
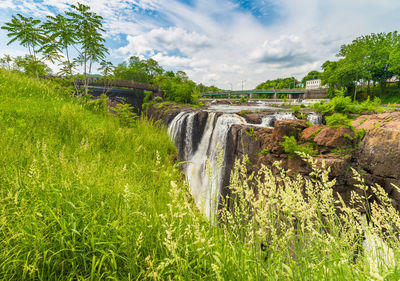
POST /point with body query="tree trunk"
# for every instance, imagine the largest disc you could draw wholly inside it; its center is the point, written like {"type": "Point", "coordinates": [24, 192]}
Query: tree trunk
{"type": "Point", "coordinates": [355, 91]}
{"type": "Point", "coordinates": [368, 87]}
{"type": "Point", "coordinates": [85, 74]}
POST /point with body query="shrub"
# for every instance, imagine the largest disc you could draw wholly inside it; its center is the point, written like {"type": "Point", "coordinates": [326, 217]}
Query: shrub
{"type": "Point", "coordinates": [148, 96]}
{"type": "Point", "coordinates": [338, 119]}
{"type": "Point", "coordinates": [98, 105]}
{"type": "Point", "coordinates": [244, 99]}
{"type": "Point", "coordinates": [126, 115]}
{"type": "Point", "coordinates": [158, 99]}
{"type": "Point", "coordinates": [295, 109]}
{"type": "Point", "coordinates": [291, 147]}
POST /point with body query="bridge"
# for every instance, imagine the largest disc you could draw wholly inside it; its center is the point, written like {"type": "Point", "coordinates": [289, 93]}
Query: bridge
{"type": "Point", "coordinates": [271, 93]}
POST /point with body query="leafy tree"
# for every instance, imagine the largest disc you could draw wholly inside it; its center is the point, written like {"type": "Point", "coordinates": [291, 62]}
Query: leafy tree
{"type": "Point", "coordinates": [394, 58]}
{"type": "Point", "coordinates": [88, 28]}
{"type": "Point", "coordinates": [106, 68]}
{"type": "Point", "coordinates": [28, 32]}
{"type": "Point", "coordinates": [280, 83]}
{"type": "Point", "coordinates": [6, 61]}
{"type": "Point", "coordinates": [311, 75]}
{"type": "Point", "coordinates": [139, 70]}
{"type": "Point", "coordinates": [62, 35]}
{"type": "Point", "coordinates": [32, 66]}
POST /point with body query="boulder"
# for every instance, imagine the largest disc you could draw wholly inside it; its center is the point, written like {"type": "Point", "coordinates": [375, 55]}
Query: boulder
{"type": "Point", "coordinates": [290, 127]}
{"type": "Point", "coordinates": [309, 133]}
{"type": "Point", "coordinates": [384, 120]}
{"type": "Point", "coordinates": [253, 118]}
{"type": "Point", "coordinates": [334, 137]}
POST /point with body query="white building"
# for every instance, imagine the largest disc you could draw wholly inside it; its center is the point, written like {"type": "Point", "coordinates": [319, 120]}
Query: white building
{"type": "Point", "coordinates": [313, 84]}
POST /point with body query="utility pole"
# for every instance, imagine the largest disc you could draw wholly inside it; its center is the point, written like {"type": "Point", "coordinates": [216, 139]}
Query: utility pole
{"type": "Point", "coordinates": [242, 83]}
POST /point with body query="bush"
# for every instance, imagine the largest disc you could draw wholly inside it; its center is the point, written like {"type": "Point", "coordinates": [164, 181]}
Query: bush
{"type": "Point", "coordinates": [338, 119]}
{"type": "Point", "coordinates": [244, 99]}
{"type": "Point", "coordinates": [126, 115]}
{"type": "Point", "coordinates": [295, 109]}
{"type": "Point", "coordinates": [158, 99]}
{"type": "Point", "coordinates": [291, 147]}
{"type": "Point", "coordinates": [148, 96]}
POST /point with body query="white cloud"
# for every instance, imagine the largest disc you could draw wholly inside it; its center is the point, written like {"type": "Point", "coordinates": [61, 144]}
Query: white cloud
{"type": "Point", "coordinates": [220, 42]}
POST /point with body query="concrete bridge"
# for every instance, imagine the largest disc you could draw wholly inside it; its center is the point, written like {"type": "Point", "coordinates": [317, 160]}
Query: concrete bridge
{"type": "Point", "coordinates": [125, 84]}
{"type": "Point", "coordinates": [272, 93]}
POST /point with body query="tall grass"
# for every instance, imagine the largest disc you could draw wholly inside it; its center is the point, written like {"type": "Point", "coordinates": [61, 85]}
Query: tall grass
{"type": "Point", "coordinates": [83, 197]}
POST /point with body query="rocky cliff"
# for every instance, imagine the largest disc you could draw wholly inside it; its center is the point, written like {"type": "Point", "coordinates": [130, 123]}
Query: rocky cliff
{"type": "Point", "coordinates": [376, 154]}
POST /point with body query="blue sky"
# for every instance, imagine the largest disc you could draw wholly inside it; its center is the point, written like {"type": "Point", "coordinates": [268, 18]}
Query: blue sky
{"type": "Point", "coordinates": [225, 42]}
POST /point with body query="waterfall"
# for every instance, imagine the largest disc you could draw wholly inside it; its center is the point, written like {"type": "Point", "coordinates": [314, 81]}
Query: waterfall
{"type": "Point", "coordinates": [314, 118]}
{"type": "Point", "coordinates": [204, 167]}
{"type": "Point", "coordinates": [269, 120]}
{"type": "Point", "coordinates": [204, 163]}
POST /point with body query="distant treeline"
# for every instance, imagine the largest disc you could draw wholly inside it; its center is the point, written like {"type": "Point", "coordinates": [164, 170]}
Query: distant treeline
{"type": "Point", "coordinates": [370, 59]}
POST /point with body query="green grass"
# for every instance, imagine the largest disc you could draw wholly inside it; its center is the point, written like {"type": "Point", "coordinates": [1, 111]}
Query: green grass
{"type": "Point", "coordinates": [77, 189]}
{"type": "Point", "coordinates": [84, 196]}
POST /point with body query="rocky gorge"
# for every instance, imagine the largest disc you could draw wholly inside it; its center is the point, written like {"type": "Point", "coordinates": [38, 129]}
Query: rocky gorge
{"type": "Point", "coordinates": [372, 147]}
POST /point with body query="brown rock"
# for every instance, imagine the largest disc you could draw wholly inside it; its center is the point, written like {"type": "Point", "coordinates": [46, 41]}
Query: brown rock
{"type": "Point", "coordinates": [334, 137]}
{"type": "Point", "coordinates": [379, 152]}
{"type": "Point", "coordinates": [384, 120]}
{"type": "Point", "coordinates": [309, 133]}
{"type": "Point", "coordinates": [288, 128]}
{"type": "Point", "coordinates": [254, 118]}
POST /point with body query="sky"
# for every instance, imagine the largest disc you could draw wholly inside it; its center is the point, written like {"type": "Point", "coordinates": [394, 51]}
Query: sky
{"type": "Point", "coordinates": [227, 43]}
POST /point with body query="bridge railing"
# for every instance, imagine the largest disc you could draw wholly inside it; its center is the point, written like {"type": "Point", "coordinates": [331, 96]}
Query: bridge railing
{"type": "Point", "coordinates": [104, 82]}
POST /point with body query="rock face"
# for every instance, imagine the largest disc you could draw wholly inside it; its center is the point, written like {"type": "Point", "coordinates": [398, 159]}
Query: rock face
{"type": "Point", "coordinates": [378, 155]}
{"type": "Point", "coordinates": [334, 137]}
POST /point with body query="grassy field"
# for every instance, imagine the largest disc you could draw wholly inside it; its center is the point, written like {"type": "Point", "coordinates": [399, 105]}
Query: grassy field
{"type": "Point", "coordinates": [83, 197]}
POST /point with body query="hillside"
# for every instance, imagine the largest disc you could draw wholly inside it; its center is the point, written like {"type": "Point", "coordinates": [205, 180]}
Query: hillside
{"type": "Point", "coordinates": [84, 196]}
{"type": "Point", "coordinates": [77, 188]}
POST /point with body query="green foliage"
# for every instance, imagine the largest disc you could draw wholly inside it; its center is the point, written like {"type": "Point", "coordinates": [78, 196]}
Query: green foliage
{"type": "Point", "coordinates": [84, 198]}
{"type": "Point", "coordinates": [29, 65]}
{"type": "Point", "coordinates": [295, 109]}
{"type": "Point", "coordinates": [126, 115]}
{"type": "Point", "coordinates": [148, 96]}
{"type": "Point", "coordinates": [244, 112]}
{"type": "Point", "coordinates": [179, 88]}
{"type": "Point", "coordinates": [368, 58]}
{"type": "Point", "coordinates": [291, 147]}
{"type": "Point", "coordinates": [244, 99]}
{"type": "Point", "coordinates": [98, 104]}
{"type": "Point", "coordinates": [338, 119]}
{"type": "Point", "coordinates": [280, 83]}
{"type": "Point", "coordinates": [345, 105]}
{"type": "Point", "coordinates": [250, 132]}
{"type": "Point", "coordinates": [158, 99]}
{"type": "Point", "coordinates": [311, 75]}
{"type": "Point", "coordinates": [138, 70]}
{"type": "Point", "coordinates": [264, 151]}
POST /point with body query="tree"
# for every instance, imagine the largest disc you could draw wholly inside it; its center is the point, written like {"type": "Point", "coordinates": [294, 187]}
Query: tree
{"type": "Point", "coordinates": [5, 62]}
{"type": "Point", "coordinates": [27, 31]}
{"type": "Point", "coordinates": [61, 34]}
{"type": "Point", "coordinates": [311, 75]}
{"type": "Point", "coordinates": [106, 68]}
{"type": "Point", "coordinates": [32, 66]}
{"type": "Point", "coordinates": [139, 70]}
{"type": "Point", "coordinates": [88, 28]}
{"type": "Point", "coordinates": [280, 83]}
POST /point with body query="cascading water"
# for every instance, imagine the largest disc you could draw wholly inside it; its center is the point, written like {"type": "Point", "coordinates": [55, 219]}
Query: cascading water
{"type": "Point", "coordinates": [204, 165]}
{"type": "Point", "coordinates": [269, 120]}
{"type": "Point", "coordinates": [314, 118]}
